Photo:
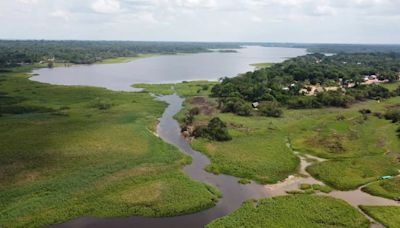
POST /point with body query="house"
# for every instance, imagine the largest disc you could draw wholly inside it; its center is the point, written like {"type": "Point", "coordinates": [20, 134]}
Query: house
{"type": "Point", "coordinates": [255, 104]}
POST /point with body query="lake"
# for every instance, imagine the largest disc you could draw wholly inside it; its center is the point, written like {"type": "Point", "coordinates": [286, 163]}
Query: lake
{"type": "Point", "coordinates": [166, 68]}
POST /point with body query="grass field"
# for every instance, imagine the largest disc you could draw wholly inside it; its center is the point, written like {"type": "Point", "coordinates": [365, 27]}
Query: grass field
{"type": "Point", "coordinates": [79, 151]}
{"type": "Point", "coordinates": [183, 89]}
{"type": "Point", "coordinates": [355, 146]}
{"type": "Point", "coordinates": [294, 211]}
{"type": "Point", "coordinates": [387, 215]}
{"type": "Point", "coordinates": [360, 150]}
{"type": "Point", "coordinates": [352, 173]}
{"type": "Point", "coordinates": [260, 66]}
{"type": "Point", "coordinates": [127, 59]}
{"type": "Point", "coordinates": [385, 188]}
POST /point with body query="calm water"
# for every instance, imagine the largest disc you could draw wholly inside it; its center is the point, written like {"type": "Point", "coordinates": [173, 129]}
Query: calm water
{"type": "Point", "coordinates": [166, 69]}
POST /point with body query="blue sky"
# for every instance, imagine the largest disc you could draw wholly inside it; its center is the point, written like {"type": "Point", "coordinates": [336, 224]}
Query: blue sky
{"type": "Point", "coordinates": [328, 21]}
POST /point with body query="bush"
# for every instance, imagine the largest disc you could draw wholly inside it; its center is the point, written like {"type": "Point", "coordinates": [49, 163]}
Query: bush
{"type": "Point", "coordinates": [216, 130]}
{"type": "Point", "coordinates": [236, 105]}
{"type": "Point", "coordinates": [364, 111]}
{"type": "Point", "coordinates": [393, 115]}
{"type": "Point", "coordinates": [101, 104]}
{"type": "Point", "coordinates": [303, 102]}
{"type": "Point", "coordinates": [334, 98]}
{"type": "Point", "coordinates": [340, 117]}
{"type": "Point", "coordinates": [270, 109]}
{"type": "Point", "coordinates": [23, 109]}
{"type": "Point", "coordinates": [194, 111]}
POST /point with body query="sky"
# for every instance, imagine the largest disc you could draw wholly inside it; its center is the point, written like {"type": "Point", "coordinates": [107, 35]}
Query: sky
{"type": "Point", "coordinates": [309, 21]}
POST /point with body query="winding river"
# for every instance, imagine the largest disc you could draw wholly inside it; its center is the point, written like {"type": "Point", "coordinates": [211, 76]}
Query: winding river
{"type": "Point", "coordinates": [234, 194]}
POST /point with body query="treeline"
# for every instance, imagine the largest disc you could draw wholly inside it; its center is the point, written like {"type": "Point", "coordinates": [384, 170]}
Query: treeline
{"type": "Point", "coordinates": [280, 84]}
{"type": "Point", "coordinates": [340, 48]}
{"type": "Point", "coordinates": [16, 52]}
{"type": "Point", "coordinates": [327, 70]}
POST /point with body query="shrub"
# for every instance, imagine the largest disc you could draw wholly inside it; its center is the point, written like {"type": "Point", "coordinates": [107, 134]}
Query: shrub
{"type": "Point", "coordinates": [303, 102]}
{"type": "Point", "coordinates": [216, 130]}
{"type": "Point", "coordinates": [194, 111]}
{"type": "Point", "coordinates": [236, 105]}
{"type": "Point", "coordinates": [393, 115]}
{"type": "Point", "coordinates": [340, 117]}
{"type": "Point", "coordinates": [270, 109]}
{"type": "Point", "coordinates": [364, 111]}
{"type": "Point", "coordinates": [101, 104]}
{"type": "Point", "coordinates": [304, 186]}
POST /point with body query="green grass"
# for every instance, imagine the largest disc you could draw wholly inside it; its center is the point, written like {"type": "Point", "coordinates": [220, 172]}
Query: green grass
{"type": "Point", "coordinates": [391, 86]}
{"type": "Point", "coordinates": [92, 153]}
{"type": "Point", "coordinates": [158, 89]}
{"type": "Point", "coordinates": [387, 215]}
{"type": "Point", "coordinates": [352, 173]}
{"type": "Point", "coordinates": [258, 151]}
{"type": "Point", "coordinates": [294, 211]}
{"type": "Point", "coordinates": [385, 188]}
{"type": "Point", "coordinates": [183, 89]}
{"type": "Point", "coordinates": [126, 59]}
{"type": "Point", "coordinates": [328, 137]}
{"type": "Point", "coordinates": [259, 66]}
{"type": "Point", "coordinates": [256, 155]}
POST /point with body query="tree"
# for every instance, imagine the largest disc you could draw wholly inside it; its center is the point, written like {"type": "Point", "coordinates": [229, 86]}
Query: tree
{"type": "Point", "coordinates": [216, 130]}
{"type": "Point", "coordinates": [270, 109]}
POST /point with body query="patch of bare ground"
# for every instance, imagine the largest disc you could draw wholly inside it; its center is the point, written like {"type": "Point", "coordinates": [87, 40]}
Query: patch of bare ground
{"type": "Point", "coordinates": [206, 107]}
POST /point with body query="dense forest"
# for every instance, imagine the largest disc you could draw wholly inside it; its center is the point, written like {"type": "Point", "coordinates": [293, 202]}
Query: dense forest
{"type": "Point", "coordinates": [17, 52]}
{"type": "Point", "coordinates": [342, 79]}
{"type": "Point", "coordinates": [339, 48]}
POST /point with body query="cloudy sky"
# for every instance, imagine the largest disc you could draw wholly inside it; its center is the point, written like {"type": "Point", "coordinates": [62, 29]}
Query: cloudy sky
{"type": "Point", "coordinates": [333, 21]}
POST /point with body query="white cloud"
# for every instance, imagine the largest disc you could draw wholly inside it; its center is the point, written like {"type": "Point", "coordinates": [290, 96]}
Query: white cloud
{"type": "Point", "coordinates": [61, 14]}
{"type": "Point", "coordinates": [256, 20]}
{"type": "Point", "coordinates": [106, 6]}
{"type": "Point", "coordinates": [28, 1]}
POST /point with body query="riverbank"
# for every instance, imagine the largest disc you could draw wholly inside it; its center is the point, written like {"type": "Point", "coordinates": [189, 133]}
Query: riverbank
{"type": "Point", "coordinates": [126, 59]}
{"type": "Point", "coordinates": [297, 122]}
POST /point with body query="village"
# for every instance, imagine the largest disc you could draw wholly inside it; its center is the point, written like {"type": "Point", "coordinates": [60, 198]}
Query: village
{"type": "Point", "coordinates": [313, 90]}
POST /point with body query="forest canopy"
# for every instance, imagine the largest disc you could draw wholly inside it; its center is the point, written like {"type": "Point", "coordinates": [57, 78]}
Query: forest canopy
{"type": "Point", "coordinates": [342, 79]}
{"type": "Point", "coordinates": [18, 52]}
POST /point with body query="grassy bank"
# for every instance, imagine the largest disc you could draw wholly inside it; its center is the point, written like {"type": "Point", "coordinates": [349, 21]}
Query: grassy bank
{"type": "Point", "coordinates": [386, 188]}
{"type": "Point", "coordinates": [183, 89]}
{"type": "Point", "coordinates": [352, 173]}
{"type": "Point", "coordinates": [259, 66]}
{"type": "Point", "coordinates": [80, 151]}
{"type": "Point", "coordinates": [360, 148]}
{"type": "Point", "coordinates": [388, 215]}
{"type": "Point", "coordinates": [127, 59]}
{"type": "Point", "coordinates": [294, 211]}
